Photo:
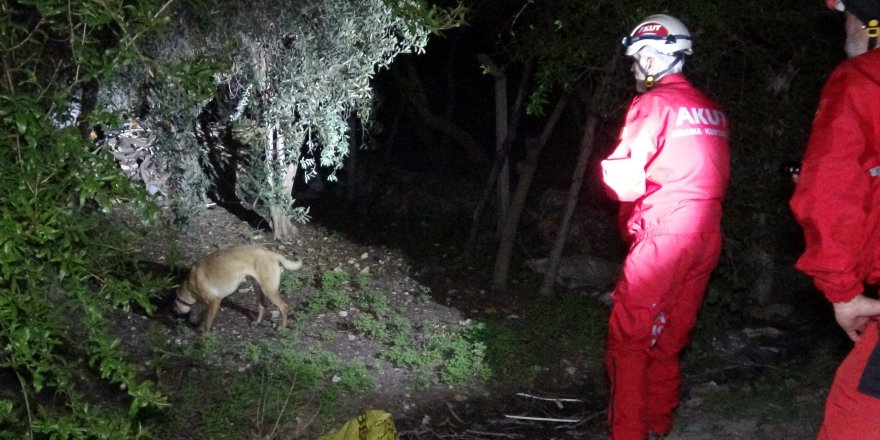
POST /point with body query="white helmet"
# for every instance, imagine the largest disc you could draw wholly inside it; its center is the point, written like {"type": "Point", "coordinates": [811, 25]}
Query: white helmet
{"type": "Point", "coordinates": [835, 4]}
{"type": "Point", "coordinates": [664, 33]}
{"type": "Point", "coordinates": [868, 11]}
{"type": "Point", "coordinates": [865, 10]}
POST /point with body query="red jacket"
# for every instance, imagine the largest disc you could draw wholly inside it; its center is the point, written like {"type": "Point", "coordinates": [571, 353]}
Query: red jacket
{"type": "Point", "coordinates": [837, 198]}
{"type": "Point", "coordinates": [671, 161]}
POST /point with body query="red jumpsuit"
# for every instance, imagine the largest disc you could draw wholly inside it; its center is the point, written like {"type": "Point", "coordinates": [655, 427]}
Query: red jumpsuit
{"type": "Point", "coordinates": [837, 202]}
{"type": "Point", "coordinates": [671, 165]}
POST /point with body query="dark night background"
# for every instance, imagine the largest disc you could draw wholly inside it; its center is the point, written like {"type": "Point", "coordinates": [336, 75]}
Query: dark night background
{"type": "Point", "coordinates": [405, 203]}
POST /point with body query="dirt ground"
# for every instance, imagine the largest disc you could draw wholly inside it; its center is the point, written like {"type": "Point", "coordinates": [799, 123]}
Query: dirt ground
{"type": "Point", "coordinates": [458, 298]}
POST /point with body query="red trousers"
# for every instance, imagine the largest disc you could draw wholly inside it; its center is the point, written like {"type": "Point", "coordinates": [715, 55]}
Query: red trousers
{"type": "Point", "coordinates": [852, 411]}
{"type": "Point", "coordinates": [656, 303]}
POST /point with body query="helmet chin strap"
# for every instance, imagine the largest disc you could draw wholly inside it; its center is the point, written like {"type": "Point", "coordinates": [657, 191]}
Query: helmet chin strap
{"type": "Point", "coordinates": [873, 28]}
{"type": "Point", "coordinates": [650, 80]}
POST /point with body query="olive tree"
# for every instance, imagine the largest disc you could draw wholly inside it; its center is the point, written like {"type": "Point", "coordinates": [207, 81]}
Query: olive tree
{"type": "Point", "coordinates": [289, 75]}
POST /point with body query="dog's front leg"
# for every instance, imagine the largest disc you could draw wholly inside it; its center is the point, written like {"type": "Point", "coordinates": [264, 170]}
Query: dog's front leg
{"type": "Point", "coordinates": [210, 314]}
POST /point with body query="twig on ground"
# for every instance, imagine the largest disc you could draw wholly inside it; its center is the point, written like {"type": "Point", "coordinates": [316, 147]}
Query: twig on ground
{"type": "Point", "coordinates": [543, 419]}
{"type": "Point", "coordinates": [494, 434]}
{"type": "Point", "coordinates": [733, 368]}
{"type": "Point", "coordinates": [549, 399]}
{"type": "Point", "coordinates": [451, 411]}
{"type": "Point", "coordinates": [583, 420]}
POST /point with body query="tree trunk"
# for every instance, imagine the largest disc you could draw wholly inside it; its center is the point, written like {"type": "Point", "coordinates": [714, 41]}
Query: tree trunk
{"type": "Point", "coordinates": [416, 95]}
{"type": "Point", "coordinates": [388, 148]}
{"type": "Point", "coordinates": [88, 102]}
{"type": "Point", "coordinates": [503, 192]}
{"type": "Point", "coordinates": [577, 180]}
{"type": "Point", "coordinates": [282, 227]}
{"type": "Point", "coordinates": [761, 261]}
{"type": "Point", "coordinates": [451, 94]}
{"type": "Point", "coordinates": [517, 205]}
{"type": "Point", "coordinates": [501, 159]}
{"type": "Point", "coordinates": [279, 172]}
{"type": "Point", "coordinates": [352, 162]}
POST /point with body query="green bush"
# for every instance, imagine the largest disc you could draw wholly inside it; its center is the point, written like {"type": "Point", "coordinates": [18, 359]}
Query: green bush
{"type": "Point", "coordinates": [440, 355]}
{"type": "Point", "coordinates": [371, 327]}
{"type": "Point", "coordinates": [65, 273]}
{"type": "Point", "coordinates": [334, 279]}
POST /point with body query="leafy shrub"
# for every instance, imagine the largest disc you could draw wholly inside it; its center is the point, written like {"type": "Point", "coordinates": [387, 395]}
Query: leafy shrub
{"type": "Point", "coordinates": [64, 271]}
{"type": "Point", "coordinates": [268, 397]}
{"type": "Point", "coordinates": [291, 283]}
{"type": "Point", "coordinates": [376, 303]}
{"type": "Point", "coordinates": [451, 356]}
{"type": "Point", "coordinates": [334, 279]}
{"type": "Point", "coordinates": [371, 327]}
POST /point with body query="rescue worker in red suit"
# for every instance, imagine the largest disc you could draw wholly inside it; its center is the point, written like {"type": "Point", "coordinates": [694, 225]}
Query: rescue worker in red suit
{"type": "Point", "coordinates": [670, 168]}
{"type": "Point", "coordinates": [837, 202]}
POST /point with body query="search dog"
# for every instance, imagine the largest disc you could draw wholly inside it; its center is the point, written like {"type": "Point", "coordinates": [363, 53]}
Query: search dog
{"type": "Point", "coordinates": [219, 275]}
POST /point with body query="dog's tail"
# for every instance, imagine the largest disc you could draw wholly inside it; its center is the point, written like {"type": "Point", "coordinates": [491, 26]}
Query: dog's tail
{"type": "Point", "coordinates": [293, 264]}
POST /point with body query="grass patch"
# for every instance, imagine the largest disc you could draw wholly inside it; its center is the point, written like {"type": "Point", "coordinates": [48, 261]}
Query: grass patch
{"type": "Point", "coordinates": [433, 353]}
{"type": "Point", "coordinates": [335, 293]}
{"type": "Point", "coordinates": [268, 399]}
{"type": "Point", "coordinates": [564, 327]}
{"type": "Point", "coordinates": [453, 356]}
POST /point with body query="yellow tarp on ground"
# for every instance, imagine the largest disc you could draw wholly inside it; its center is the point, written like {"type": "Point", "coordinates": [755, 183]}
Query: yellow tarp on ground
{"type": "Point", "coordinates": [371, 425]}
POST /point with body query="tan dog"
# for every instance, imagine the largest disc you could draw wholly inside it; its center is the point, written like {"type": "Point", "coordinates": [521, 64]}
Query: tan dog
{"type": "Point", "coordinates": [219, 274]}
